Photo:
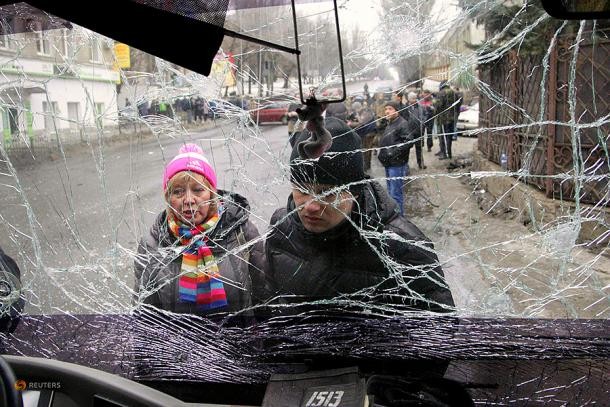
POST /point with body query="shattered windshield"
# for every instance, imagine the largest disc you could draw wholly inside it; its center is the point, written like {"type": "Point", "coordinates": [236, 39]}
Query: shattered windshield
{"type": "Point", "coordinates": [465, 174]}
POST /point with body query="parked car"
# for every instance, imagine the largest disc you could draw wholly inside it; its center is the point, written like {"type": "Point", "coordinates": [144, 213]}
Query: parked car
{"type": "Point", "coordinates": [331, 92]}
{"type": "Point", "coordinates": [239, 102]}
{"type": "Point", "coordinates": [468, 120]}
{"type": "Point", "coordinates": [273, 112]}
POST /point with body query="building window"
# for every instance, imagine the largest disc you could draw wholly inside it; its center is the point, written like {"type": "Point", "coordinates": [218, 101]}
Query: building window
{"type": "Point", "coordinates": [96, 50]}
{"type": "Point", "coordinates": [6, 41]}
{"type": "Point", "coordinates": [50, 111]}
{"type": "Point", "coordinates": [66, 40]}
{"type": "Point", "coordinates": [74, 114]}
{"type": "Point", "coordinates": [11, 120]}
{"type": "Point", "coordinates": [43, 44]}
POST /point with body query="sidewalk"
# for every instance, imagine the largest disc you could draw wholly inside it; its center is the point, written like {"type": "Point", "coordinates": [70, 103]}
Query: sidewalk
{"type": "Point", "coordinates": [494, 262]}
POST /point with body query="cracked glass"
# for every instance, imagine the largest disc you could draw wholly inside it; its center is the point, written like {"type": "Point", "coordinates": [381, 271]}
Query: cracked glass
{"type": "Point", "coordinates": [161, 209]}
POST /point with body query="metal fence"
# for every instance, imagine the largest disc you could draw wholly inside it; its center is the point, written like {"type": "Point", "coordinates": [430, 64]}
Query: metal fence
{"type": "Point", "coordinates": [530, 122]}
{"type": "Point", "coordinates": [43, 143]}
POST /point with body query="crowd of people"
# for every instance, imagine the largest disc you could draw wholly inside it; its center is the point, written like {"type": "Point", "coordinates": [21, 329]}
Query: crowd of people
{"type": "Point", "coordinates": [190, 109]}
{"type": "Point", "coordinates": [391, 125]}
{"type": "Point", "coordinates": [341, 234]}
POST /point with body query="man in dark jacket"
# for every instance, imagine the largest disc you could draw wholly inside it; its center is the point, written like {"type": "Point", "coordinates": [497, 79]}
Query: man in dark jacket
{"type": "Point", "coordinates": [341, 235]}
{"type": "Point", "coordinates": [398, 98]}
{"type": "Point", "coordinates": [338, 110]}
{"type": "Point", "coordinates": [428, 108]}
{"type": "Point", "coordinates": [365, 126]}
{"type": "Point", "coordinates": [416, 113]}
{"type": "Point", "coordinates": [395, 145]}
{"type": "Point", "coordinates": [447, 109]}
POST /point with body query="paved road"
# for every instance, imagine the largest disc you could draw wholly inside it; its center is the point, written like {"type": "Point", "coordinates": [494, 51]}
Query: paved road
{"type": "Point", "coordinates": [76, 244]}
{"type": "Point", "coordinates": [353, 87]}
{"type": "Point", "coordinates": [82, 206]}
{"type": "Point", "coordinates": [75, 223]}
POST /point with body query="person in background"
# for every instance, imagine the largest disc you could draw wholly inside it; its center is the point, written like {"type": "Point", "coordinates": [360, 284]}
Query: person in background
{"type": "Point", "coordinates": [143, 108]}
{"type": "Point", "coordinates": [188, 108]}
{"type": "Point", "coordinates": [163, 108]}
{"type": "Point", "coordinates": [426, 103]}
{"type": "Point", "coordinates": [294, 125]}
{"type": "Point", "coordinates": [446, 107]}
{"type": "Point", "coordinates": [205, 110]}
{"type": "Point", "coordinates": [394, 149]}
{"type": "Point", "coordinates": [338, 110]}
{"type": "Point", "coordinates": [381, 121]}
{"type": "Point", "coordinates": [398, 97]}
{"type": "Point", "coordinates": [154, 107]}
{"type": "Point", "coordinates": [416, 114]}
{"type": "Point", "coordinates": [460, 100]}
{"type": "Point", "coordinates": [364, 125]}
{"type": "Point", "coordinates": [348, 104]}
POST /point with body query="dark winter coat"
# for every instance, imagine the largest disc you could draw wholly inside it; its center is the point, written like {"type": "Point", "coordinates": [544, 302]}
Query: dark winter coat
{"type": "Point", "coordinates": [396, 142]}
{"type": "Point", "coordinates": [338, 110]}
{"type": "Point", "coordinates": [341, 261]}
{"type": "Point", "coordinates": [366, 123]}
{"type": "Point", "coordinates": [416, 112]}
{"type": "Point", "coordinates": [447, 106]}
{"type": "Point", "coordinates": [159, 261]}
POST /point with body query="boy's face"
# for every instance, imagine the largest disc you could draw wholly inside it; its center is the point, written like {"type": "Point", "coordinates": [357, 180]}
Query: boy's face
{"type": "Point", "coordinates": [319, 210]}
{"type": "Point", "coordinates": [189, 197]}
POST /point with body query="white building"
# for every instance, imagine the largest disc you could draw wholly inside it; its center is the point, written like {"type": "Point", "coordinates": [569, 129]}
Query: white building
{"type": "Point", "coordinates": [454, 55]}
{"type": "Point", "coordinates": [57, 82]}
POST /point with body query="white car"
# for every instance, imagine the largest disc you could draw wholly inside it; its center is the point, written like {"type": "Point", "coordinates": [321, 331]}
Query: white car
{"type": "Point", "coordinates": [468, 120]}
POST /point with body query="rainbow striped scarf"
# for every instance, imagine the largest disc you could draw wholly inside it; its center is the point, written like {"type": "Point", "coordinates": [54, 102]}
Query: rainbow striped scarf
{"type": "Point", "coordinates": [199, 276]}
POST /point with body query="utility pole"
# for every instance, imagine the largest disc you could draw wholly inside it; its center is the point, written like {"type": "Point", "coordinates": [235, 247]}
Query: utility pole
{"type": "Point", "coordinates": [260, 71]}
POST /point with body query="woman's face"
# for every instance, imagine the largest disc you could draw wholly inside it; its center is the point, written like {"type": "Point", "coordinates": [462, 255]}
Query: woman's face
{"type": "Point", "coordinates": [190, 197]}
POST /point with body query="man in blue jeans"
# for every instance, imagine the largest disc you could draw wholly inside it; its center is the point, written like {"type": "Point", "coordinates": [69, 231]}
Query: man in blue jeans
{"type": "Point", "coordinates": [395, 145]}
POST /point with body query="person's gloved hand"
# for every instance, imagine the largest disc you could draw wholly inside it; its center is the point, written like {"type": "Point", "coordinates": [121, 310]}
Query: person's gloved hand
{"type": "Point", "coordinates": [319, 140]}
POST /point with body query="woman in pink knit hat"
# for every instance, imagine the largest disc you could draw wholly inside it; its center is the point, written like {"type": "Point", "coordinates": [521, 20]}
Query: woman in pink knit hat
{"type": "Point", "coordinates": [202, 254]}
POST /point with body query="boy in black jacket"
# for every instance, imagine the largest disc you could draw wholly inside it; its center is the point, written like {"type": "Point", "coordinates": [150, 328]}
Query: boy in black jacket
{"type": "Point", "coordinates": [342, 236]}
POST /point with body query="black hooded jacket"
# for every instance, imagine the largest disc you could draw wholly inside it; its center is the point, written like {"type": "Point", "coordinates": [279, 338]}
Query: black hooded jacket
{"type": "Point", "coordinates": [394, 263]}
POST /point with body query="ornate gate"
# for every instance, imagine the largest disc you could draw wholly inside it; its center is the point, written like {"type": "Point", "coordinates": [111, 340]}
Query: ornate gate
{"type": "Point", "coordinates": [528, 116]}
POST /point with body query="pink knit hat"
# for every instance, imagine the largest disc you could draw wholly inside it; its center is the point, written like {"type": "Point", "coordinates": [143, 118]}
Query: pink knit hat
{"type": "Point", "coordinates": [190, 158]}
